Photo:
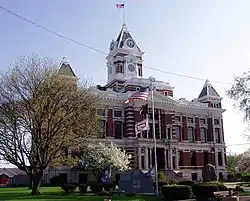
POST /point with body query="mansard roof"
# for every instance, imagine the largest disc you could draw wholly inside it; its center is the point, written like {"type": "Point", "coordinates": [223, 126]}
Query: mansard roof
{"type": "Point", "coordinates": [65, 68]}
{"type": "Point", "coordinates": [123, 36]}
{"type": "Point", "coordinates": [208, 90]}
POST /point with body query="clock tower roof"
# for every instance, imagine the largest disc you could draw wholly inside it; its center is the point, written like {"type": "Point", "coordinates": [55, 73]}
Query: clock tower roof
{"type": "Point", "coordinates": [124, 38]}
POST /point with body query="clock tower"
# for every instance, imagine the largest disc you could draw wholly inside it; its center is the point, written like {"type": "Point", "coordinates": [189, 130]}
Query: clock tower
{"type": "Point", "coordinates": [124, 60]}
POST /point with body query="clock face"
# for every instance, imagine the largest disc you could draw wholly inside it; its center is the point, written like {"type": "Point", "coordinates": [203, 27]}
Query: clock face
{"type": "Point", "coordinates": [131, 67]}
{"type": "Point", "coordinates": [130, 43]}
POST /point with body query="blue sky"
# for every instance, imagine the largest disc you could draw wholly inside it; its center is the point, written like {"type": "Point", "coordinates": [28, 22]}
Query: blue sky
{"type": "Point", "coordinates": [207, 39]}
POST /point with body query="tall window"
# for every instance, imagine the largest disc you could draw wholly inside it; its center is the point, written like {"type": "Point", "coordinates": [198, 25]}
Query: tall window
{"type": "Point", "coordinates": [216, 122]}
{"type": "Point", "coordinates": [190, 120]}
{"type": "Point", "coordinates": [219, 158]}
{"type": "Point", "coordinates": [157, 131]}
{"type": "Point", "coordinates": [177, 119]}
{"type": "Point", "coordinates": [191, 134]}
{"type": "Point", "coordinates": [169, 133]}
{"type": "Point", "coordinates": [118, 129]}
{"type": "Point", "coordinates": [180, 158]}
{"type": "Point", "coordinates": [193, 158]}
{"type": "Point", "coordinates": [101, 112]}
{"type": "Point", "coordinates": [103, 128]}
{"type": "Point", "coordinates": [206, 158]}
{"type": "Point", "coordinates": [119, 67]}
{"type": "Point", "coordinates": [202, 121]}
{"type": "Point", "coordinates": [178, 132]}
{"type": "Point", "coordinates": [217, 135]}
{"type": "Point", "coordinates": [203, 135]}
{"type": "Point", "coordinates": [117, 113]}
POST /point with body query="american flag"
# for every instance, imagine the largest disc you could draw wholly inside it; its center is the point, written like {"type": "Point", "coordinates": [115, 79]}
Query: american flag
{"type": "Point", "coordinates": [142, 94]}
{"type": "Point", "coordinates": [120, 5]}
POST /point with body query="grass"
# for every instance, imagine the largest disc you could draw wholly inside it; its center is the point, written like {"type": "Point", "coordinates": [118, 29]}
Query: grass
{"type": "Point", "coordinates": [56, 194]}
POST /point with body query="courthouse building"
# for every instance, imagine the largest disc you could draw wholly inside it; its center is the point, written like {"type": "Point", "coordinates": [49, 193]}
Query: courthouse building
{"type": "Point", "coordinates": [189, 134]}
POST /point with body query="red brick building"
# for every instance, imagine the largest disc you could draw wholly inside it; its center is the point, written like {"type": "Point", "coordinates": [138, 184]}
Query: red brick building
{"type": "Point", "coordinates": [189, 133]}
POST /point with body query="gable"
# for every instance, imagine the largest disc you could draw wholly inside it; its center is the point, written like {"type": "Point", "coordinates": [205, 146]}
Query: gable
{"type": "Point", "coordinates": [66, 70]}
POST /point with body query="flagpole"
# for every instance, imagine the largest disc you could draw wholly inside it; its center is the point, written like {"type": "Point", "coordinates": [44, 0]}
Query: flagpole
{"type": "Point", "coordinates": [154, 136]}
{"type": "Point", "coordinates": [123, 15]}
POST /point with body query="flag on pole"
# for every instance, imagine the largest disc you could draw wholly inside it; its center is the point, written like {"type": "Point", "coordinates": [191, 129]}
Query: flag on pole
{"type": "Point", "coordinates": [120, 5]}
{"type": "Point", "coordinates": [141, 126]}
{"type": "Point", "coordinates": [142, 94]}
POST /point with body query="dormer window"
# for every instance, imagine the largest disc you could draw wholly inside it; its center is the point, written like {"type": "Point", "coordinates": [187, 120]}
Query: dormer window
{"type": "Point", "coordinates": [137, 88]}
{"type": "Point", "coordinates": [165, 93]}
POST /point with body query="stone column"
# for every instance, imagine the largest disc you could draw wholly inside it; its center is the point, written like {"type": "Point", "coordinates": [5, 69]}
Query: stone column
{"type": "Point", "coordinates": [139, 157]}
{"type": "Point", "coordinates": [223, 158]}
{"type": "Point", "coordinates": [150, 156]}
{"type": "Point", "coordinates": [146, 158]}
{"type": "Point", "coordinates": [165, 159]}
{"type": "Point", "coordinates": [176, 159]}
{"type": "Point", "coordinates": [216, 157]}
{"type": "Point", "coordinates": [170, 159]}
{"type": "Point", "coordinates": [159, 123]}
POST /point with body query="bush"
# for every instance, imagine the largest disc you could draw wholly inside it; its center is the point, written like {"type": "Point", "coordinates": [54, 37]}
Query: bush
{"type": "Point", "coordinates": [205, 190]}
{"type": "Point", "coordinates": [130, 194]}
{"type": "Point", "coordinates": [102, 193]}
{"type": "Point", "coordinates": [83, 188]}
{"type": "Point", "coordinates": [245, 177]}
{"type": "Point", "coordinates": [176, 192]}
{"type": "Point", "coordinates": [187, 183]}
{"type": "Point", "coordinates": [96, 188]}
{"type": "Point", "coordinates": [238, 189]}
{"type": "Point", "coordinates": [109, 187]}
{"type": "Point", "coordinates": [69, 188]}
{"type": "Point", "coordinates": [56, 181]}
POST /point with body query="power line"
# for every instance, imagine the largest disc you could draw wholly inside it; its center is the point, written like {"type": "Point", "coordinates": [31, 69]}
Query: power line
{"type": "Point", "coordinates": [100, 51]}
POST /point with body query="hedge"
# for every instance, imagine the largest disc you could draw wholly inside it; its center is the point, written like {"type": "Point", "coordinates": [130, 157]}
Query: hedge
{"type": "Point", "coordinates": [176, 192]}
{"type": "Point", "coordinates": [96, 188]}
{"type": "Point", "coordinates": [205, 190]}
{"type": "Point", "coordinates": [83, 188]}
{"type": "Point", "coordinates": [109, 187]}
{"type": "Point", "coordinates": [69, 188]}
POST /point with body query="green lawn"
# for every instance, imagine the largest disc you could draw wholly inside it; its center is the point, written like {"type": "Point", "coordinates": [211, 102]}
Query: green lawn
{"type": "Point", "coordinates": [55, 193]}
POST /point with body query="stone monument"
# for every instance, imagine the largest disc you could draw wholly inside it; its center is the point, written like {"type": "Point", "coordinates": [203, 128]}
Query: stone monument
{"type": "Point", "coordinates": [209, 173]}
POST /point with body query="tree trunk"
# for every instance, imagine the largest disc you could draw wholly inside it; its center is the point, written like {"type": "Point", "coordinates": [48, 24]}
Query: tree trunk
{"type": "Point", "coordinates": [36, 179]}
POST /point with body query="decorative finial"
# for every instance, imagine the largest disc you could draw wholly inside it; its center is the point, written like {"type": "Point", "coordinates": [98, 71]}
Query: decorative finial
{"type": "Point", "coordinates": [64, 60]}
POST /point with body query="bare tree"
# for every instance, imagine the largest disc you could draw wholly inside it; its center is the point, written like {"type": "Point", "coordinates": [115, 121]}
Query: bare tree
{"type": "Point", "coordinates": [41, 113]}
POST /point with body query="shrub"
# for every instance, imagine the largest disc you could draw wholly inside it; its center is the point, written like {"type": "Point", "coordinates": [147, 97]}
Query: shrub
{"type": "Point", "coordinates": [96, 188]}
{"type": "Point", "coordinates": [69, 188]}
{"type": "Point", "coordinates": [205, 190]}
{"type": "Point", "coordinates": [83, 188]}
{"type": "Point", "coordinates": [109, 187]}
{"type": "Point", "coordinates": [245, 177]}
{"type": "Point", "coordinates": [56, 181]}
{"type": "Point", "coordinates": [238, 189]}
{"type": "Point", "coordinates": [187, 183]}
{"type": "Point", "coordinates": [130, 194]}
{"type": "Point", "coordinates": [102, 193]}
{"type": "Point", "coordinates": [176, 192]}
